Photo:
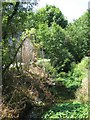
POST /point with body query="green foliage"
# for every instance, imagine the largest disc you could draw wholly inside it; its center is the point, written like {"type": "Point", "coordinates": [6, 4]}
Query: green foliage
{"type": "Point", "coordinates": [73, 79]}
{"type": "Point", "coordinates": [74, 110]}
{"type": "Point", "coordinates": [16, 18]}
{"type": "Point", "coordinates": [63, 47]}
{"type": "Point", "coordinates": [77, 32]}
{"type": "Point", "coordinates": [53, 41]}
{"type": "Point", "coordinates": [50, 14]}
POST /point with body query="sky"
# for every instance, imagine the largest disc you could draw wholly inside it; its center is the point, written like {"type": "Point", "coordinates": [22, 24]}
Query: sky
{"type": "Point", "coordinates": [72, 9]}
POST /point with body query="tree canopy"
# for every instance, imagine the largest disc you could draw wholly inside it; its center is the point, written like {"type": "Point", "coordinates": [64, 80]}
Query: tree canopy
{"type": "Point", "coordinates": [14, 23]}
{"type": "Point", "coordinates": [63, 43]}
{"type": "Point", "coordinates": [50, 14]}
{"type": "Point", "coordinates": [77, 32]}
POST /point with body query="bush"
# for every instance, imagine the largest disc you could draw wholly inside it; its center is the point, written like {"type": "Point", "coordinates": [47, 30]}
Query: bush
{"type": "Point", "coordinates": [73, 79]}
{"type": "Point", "coordinates": [74, 110]}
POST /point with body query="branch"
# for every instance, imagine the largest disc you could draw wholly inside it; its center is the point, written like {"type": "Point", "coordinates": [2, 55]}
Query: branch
{"type": "Point", "coordinates": [13, 59]}
{"type": "Point", "coordinates": [10, 18]}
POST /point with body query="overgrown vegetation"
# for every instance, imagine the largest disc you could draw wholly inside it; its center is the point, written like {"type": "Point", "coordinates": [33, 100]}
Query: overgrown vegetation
{"type": "Point", "coordinates": [45, 63]}
{"type": "Point", "coordinates": [73, 78]}
{"type": "Point", "coordinates": [71, 110]}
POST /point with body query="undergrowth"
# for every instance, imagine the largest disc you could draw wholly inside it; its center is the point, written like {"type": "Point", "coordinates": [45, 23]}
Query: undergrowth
{"type": "Point", "coordinates": [73, 78]}
{"type": "Point", "coordinates": [74, 110]}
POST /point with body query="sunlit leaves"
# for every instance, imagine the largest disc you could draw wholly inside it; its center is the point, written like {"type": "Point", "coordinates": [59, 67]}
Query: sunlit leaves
{"type": "Point", "coordinates": [74, 110]}
{"type": "Point", "coordinates": [78, 43]}
{"type": "Point", "coordinates": [53, 39]}
{"type": "Point", "coordinates": [51, 14]}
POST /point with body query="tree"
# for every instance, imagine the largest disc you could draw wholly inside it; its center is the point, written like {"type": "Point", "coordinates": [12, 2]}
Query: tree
{"type": "Point", "coordinates": [14, 17]}
{"type": "Point", "coordinates": [51, 14]}
{"type": "Point", "coordinates": [53, 40]}
{"type": "Point", "coordinates": [14, 22]}
{"type": "Point", "coordinates": [77, 33]}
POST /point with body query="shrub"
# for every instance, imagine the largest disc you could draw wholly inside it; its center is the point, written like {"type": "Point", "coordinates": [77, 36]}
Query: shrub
{"type": "Point", "coordinates": [73, 79]}
{"type": "Point", "coordinates": [74, 110]}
